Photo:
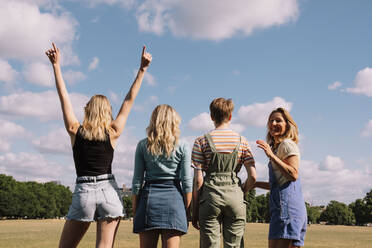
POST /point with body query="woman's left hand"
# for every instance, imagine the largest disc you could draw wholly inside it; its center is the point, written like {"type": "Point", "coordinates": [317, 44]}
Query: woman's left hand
{"type": "Point", "coordinates": [266, 147]}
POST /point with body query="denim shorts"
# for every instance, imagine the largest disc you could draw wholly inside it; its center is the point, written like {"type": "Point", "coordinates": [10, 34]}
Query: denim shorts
{"type": "Point", "coordinates": [96, 198]}
{"type": "Point", "coordinates": [160, 206]}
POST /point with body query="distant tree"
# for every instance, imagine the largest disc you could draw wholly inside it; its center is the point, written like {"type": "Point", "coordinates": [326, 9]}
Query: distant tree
{"type": "Point", "coordinates": [128, 206]}
{"type": "Point", "coordinates": [313, 213]}
{"type": "Point", "coordinates": [252, 211]}
{"type": "Point", "coordinates": [362, 209]}
{"type": "Point", "coordinates": [338, 213]}
{"type": "Point", "coordinates": [263, 208]}
{"type": "Point", "coordinates": [32, 200]}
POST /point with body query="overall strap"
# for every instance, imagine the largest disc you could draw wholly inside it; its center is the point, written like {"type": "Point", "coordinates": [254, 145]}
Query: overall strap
{"type": "Point", "coordinates": [238, 145]}
{"type": "Point", "coordinates": [210, 142]}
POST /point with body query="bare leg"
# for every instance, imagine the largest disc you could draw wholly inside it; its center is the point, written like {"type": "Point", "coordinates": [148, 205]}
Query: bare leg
{"type": "Point", "coordinates": [280, 243]}
{"type": "Point", "coordinates": [170, 238]}
{"type": "Point", "coordinates": [106, 232]}
{"type": "Point", "coordinates": [149, 239]}
{"type": "Point", "coordinates": [73, 232]}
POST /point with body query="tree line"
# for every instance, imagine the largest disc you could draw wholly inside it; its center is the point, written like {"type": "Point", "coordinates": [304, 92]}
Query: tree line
{"type": "Point", "coordinates": [32, 200]}
{"type": "Point", "coordinates": [358, 212]}
{"type": "Point", "coordinates": [50, 200]}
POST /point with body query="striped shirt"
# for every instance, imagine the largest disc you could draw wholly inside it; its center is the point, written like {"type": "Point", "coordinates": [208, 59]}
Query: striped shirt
{"type": "Point", "coordinates": [225, 141]}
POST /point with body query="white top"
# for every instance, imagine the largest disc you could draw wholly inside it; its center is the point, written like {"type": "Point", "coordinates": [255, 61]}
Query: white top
{"type": "Point", "coordinates": [285, 149]}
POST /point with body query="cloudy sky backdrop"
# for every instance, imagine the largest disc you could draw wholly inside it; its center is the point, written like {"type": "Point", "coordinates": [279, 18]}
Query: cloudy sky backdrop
{"type": "Point", "coordinates": [312, 57]}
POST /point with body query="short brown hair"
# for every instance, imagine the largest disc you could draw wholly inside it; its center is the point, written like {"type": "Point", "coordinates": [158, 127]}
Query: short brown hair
{"type": "Point", "coordinates": [221, 109]}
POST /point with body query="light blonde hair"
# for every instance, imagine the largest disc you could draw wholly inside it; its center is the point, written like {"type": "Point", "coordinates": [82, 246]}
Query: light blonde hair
{"type": "Point", "coordinates": [163, 131]}
{"type": "Point", "coordinates": [97, 119]}
{"type": "Point", "coordinates": [221, 110]}
{"type": "Point", "coordinates": [291, 131]}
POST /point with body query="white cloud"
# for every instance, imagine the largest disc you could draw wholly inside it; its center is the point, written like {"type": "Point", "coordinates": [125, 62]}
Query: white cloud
{"type": "Point", "coordinates": [149, 79]}
{"type": "Point", "coordinates": [9, 130]}
{"type": "Point", "coordinates": [154, 99]}
{"type": "Point", "coordinates": [114, 97]}
{"type": "Point", "coordinates": [362, 83]}
{"type": "Point", "coordinates": [93, 65]}
{"type": "Point", "coordinates": [7, 73]}
{"type": "Point", "coordinates": [39, 73]}
{"type": "Point", "coordinates": [321, 185]}
{"type": "Point", "coordinates": [127, 4]}
{"type": "Point", "coordinates": [237, 127]}
{"type": "Point", "coordinates": [29, 30]}
{"type": "Point", "coordinates": [72, 77]}
{"type": "Point", "coordinates": [256, 114]}
{"type": "Point", "coordinates": [213, 20]}
{"type": "Point", "coordinates": [331, 163]}
{"type": "Point", "coordinates": [44, 105]}
{"type": "Point", "coordinates": [123, 162]}
{"type": "Point", "coordinates": [202, 122]}
{"type": "Point", "coordinates": [27, 166]}
{"type": "Point", "coordinates": [367, 131]}
{"type": "Point", "coordinates": [236, 72]}
{"type": "Point", "coordinates": [55, 142]}
{"type": "Point", "coordinates": [334, 86]}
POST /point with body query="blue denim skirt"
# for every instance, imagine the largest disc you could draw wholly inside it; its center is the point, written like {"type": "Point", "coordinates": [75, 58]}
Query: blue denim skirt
{"type": "Point", "coordinates": [160, 206]}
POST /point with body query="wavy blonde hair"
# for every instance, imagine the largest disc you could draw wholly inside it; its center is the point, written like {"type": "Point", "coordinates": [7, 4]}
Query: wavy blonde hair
{"type": "Point", "coordinates": [291, 131]}
{"type": "Point", "coordinates": [97, 119]}
{"type": "Point", "coordinates": [163, 131]}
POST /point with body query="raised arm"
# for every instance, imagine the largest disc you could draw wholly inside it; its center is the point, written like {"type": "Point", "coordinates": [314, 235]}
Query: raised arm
{"type": "Point", "coordinates": [119, 123]}
{"type": "Point", "coordinates": [69, 118]}
{"type": "Point", "coordinates": [288, 167]}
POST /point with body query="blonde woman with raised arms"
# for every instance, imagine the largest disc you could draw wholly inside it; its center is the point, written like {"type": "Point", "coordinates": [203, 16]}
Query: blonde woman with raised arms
{"type": "Point", "coordinates": [96, 195]}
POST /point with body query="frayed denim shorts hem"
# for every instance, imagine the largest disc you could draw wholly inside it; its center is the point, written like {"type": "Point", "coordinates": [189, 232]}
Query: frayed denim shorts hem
{"type": "Point", "coordinates": [97, 200]}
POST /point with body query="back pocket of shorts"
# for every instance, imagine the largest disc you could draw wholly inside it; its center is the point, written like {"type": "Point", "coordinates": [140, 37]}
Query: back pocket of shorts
{"type": "Point", "coordinates": [80, 199]}
{"type": "Point", "coordinates": [112, 196]}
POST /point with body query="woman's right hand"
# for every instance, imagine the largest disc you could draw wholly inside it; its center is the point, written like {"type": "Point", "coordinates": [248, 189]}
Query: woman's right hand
{"type": "Point", "coordinates": [145, 59]}
{"type": "Point", "coordinates": [53, 55]}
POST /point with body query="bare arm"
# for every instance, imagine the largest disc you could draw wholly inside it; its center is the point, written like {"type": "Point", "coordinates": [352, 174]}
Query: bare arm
{"type": "Point", "coordinates": [262, 185]}
{"type": "Point", "coordinates": [69, 118]}
{"type": "Point", "coordinates": [288, 166]}
{"type": "Point", "coordinates": [134, 204]}
{"type": "Point", "coordinates": [198, 183]}
{"type": "Point", "coordinates": [187, 201]}
{"type": "Point", "coordinates": [251, 180]}
{"type": "Point", "coordinates": [119, 123]}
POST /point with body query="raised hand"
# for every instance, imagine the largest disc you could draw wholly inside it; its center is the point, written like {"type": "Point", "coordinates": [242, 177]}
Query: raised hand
{"type": "Point", "coordinates": [266, 147]}
{"type": "Point", "coordinates": [53, 55]}
{"type": "Point", "coordinates": [145, 59]}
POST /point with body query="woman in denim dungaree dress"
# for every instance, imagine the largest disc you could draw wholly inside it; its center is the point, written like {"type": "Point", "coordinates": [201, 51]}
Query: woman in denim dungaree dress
{"type": "Point", "coordinates": [288, 217]}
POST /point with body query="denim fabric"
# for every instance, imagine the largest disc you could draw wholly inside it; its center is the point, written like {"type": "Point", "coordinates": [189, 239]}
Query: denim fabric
{"type": "Point", "coordinates": [96, 200]}
{"type": "Point", "coordinates": [287, 210]}
{"type": "Point", "coordinates": [160, 206]}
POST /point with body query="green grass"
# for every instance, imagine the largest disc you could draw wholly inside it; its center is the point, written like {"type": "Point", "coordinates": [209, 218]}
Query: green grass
{"type": "Point", "coordinates": [45, 233]}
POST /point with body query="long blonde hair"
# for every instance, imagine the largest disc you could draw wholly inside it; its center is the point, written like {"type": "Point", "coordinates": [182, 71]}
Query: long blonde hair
{"type": "Point", "coordinates": [291, 131]}
{"type": "Point", "coordinates": [163, 131]}
{"type": "Point", "coordinates": [97, 119]}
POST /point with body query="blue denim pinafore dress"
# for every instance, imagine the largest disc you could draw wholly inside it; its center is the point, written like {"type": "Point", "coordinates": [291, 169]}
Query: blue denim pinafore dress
{"type": "Point", "coordinates": [287, 210]}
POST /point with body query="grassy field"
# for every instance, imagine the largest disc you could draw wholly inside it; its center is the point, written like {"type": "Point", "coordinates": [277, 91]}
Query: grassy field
{"type": "Point", "coordinates": [45, 233]}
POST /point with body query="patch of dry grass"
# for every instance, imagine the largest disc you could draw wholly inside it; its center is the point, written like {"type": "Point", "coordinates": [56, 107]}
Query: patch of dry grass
{"type": "Point", "coordinates": [45, 233]}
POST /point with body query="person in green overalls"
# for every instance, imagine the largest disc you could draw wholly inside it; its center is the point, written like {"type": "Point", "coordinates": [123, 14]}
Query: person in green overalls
{"type": "Point", "coordinates": [218, 198]}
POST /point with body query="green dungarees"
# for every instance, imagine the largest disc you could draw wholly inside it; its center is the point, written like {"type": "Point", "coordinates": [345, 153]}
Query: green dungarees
{"type": "Point", "coordinates": [222, 201]}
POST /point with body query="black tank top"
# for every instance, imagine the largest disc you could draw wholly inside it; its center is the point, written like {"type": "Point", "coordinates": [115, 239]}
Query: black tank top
{"type": "Point", "coordinates": [92, 157]}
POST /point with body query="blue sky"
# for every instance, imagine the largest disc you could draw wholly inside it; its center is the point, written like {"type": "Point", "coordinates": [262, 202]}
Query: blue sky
{"type": "Point", "coordinates": [313, 57]}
